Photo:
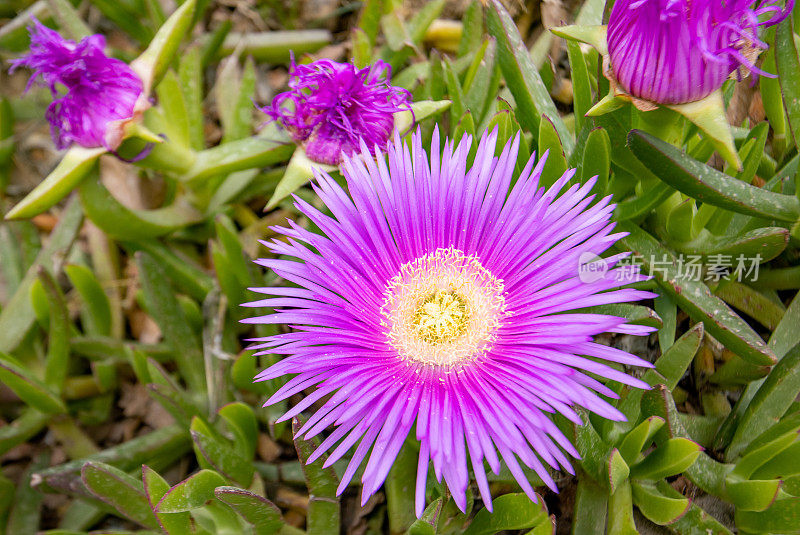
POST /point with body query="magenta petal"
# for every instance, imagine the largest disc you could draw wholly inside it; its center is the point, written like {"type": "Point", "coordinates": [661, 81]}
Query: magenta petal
{"type": "Point", "coordinates": [408, 214]}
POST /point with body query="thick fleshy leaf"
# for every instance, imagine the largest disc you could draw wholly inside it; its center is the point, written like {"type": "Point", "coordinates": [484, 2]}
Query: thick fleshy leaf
{"type": "Point", "coordinates": [635, 441]}
{"type": "Point", "coordinates": [697, 300]}
{"type": "Point", "coordinates": [95, 300]}
{"type": "Point", "coordinates": [510, 512]}
{"type": "Point", "coordinates": [121, 222]}
{"type": "Point", "coordinates": [29, 389]}
{"type": "Point", "coordinates": [782, 517]}
{"type": "Point", "coordinates": [556, 163]}
{"type": "Point", "coordinates": [620, 511]}
{"type": "Point", "coordinates": [591, 508]}
{"type": "Point", "coordinates": [273, 47]}
{"type": "Point", "coordinates": [669, 458]}
{"type": "Point", "coordinates": [258, 512]}
{"type": "Point", "coordinates": [596, 160]}
{"type": "Point", "coordinates": [709, 115]}
{"type": "Point", "coordinates": [241, 421]}
{"type": "Point", "coordinates": [405, 120]}
{"type": "Point", "coordinates": [426, 524]}
{"type": "Point", "coordinates": [323, 507]}
{"type": "Point", "coordinates": [602, 462]}
{"type": "Point", "coordinates": [773, 398]}
{"type": "Point", "coordinates": [247, 153]}
{"type": "Point", "coordinates": [215, 453]}
{"type": "Point", "coordinates": [531, 96]}
{"type": "Point", "coordinates": [165, 309]}
{"type": "Point", "coordinates": [122, 492]}
{"type": "Point", "coordinates": [299, 171]}
{"type": "Point", "coordinates": [155, 487]}
{"type": "Point", "coordinates": [191, 493]}
{"type": "Point", "coordinates": [68, 174]}
{"type": "Point", "coordinates": [672, 364]}
{"type": "Point", "coordinates": [709, 185]}
{"type": "Point", "coordinates": [752, 495]}
{"type": "Point", "coordinates": [788, 66]}
{"type": "Point", "coordinates": [655, 506]}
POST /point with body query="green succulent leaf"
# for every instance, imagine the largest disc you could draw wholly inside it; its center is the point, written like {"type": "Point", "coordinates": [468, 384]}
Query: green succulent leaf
{"type": "Point", "coordinates": [634, 441]}
{"type": "Point", "coordinates": [215, 454]}
{"type": "Point", "coordinates": [752, 495]}
{"type": "Point", "coordinates": [697, 300]}
{"type": "Point", "coordinates": [602, 462]}
{"type": "Point", "coordinates": [95, 300]}
{"type": "Point", "coordinates": [153, 62]}
{"type": "Point", "coordinates": [322, 482]}
{"type": "Point", "coordinates": [789, 74]}
{"type": "Point", "coordinates": [511, 512]}
{"type": "Point", "coordinates": [155, 487]}
{"type": "Point", "coordinates": [669, 458]}
{"type": "Point", "coordinates": [121, 491]}
{"type": "Point", "coordinates": [68, 174]}
{"type": "Point", "coordinates": [655, 506]}
{"type": "Point", "coordinates": [549, 142]}
{"type": "Point", "coordinates": [770, 402]}
{"type": "Point", "coordinates": [782, 517]}
{"type": "Point", "coordinates": [30, 389]}
{"type": "Point", "coordinates": [191, 493]}
{"type": "Point", "coordinates": [522, 77]}
{"type": "Point", "coordinates": [709, 185]}
{"type": "Point", "coordinates": [258, 512]}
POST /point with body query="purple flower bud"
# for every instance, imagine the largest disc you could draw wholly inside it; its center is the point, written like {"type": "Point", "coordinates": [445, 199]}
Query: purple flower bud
{"type": "Point", "coordinates": [333, 106]}
{"type": "Point", "coordinates": [94, 94]}
{"type": "Point", "coordinates": [677, 51]}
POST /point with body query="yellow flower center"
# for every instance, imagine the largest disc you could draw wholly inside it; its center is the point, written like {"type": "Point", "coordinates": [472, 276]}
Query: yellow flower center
{"type": "Point", "coordinates": [441, 317]}
{"type": "Point", "coordinates": [443, 309]}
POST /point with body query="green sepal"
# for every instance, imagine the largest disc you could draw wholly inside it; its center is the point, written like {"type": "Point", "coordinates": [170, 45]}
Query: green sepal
{"type": "Point", "coordinates": [405, 120]}
{"type": "Point", "coordinates": [709, 115]}
{"type": "Point", "coordinates": [591, 35]}
{"type": "Point", "coordinates": [299, 171]}
{"type": "Point", "coordinates": [70, 171]}
{"type": "Point", "coordinates": [607, 104]}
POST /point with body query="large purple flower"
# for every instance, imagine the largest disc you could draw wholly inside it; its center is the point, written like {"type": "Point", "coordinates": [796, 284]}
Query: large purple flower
{"type": "Point", "coordinates": [333, 106]}
{"type": "Point", "coordinates": [443, 300]}
{"type": "Point", "coordinates": [99, 93]}
{"type": "Point", "coordinates": [678, 51]}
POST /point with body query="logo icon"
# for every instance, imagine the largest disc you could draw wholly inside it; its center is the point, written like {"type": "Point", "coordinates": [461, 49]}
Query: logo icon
{"type": "Point", "coordinates": [591, 268]}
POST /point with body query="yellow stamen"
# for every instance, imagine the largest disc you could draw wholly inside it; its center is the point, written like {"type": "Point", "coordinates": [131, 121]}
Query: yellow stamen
{"type": "Point", "coordinates": [443, 308]}
{"type": "Point", "coordinates": [441, 317]}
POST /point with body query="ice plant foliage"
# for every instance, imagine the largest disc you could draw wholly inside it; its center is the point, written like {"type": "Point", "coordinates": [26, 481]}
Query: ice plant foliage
{"type": "Point", "coordinates": [440, 301]}
{"type": "Point", "coordinates": [678, 51]}
{"type": "Point", "coordinates": [93, 94]}
{"type": "Point", "coordinates": [330, 107]}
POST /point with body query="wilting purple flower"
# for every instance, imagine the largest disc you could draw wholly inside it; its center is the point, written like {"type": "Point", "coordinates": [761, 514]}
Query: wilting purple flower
{"type": "Point", "coordinates": [442, 299]}
{"type": "Point", "coordinates": [333, 106]}
{"type": "Point", "coordinates": [99, 93]}
{"type": "Point", "coordinates": [677, 51]}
